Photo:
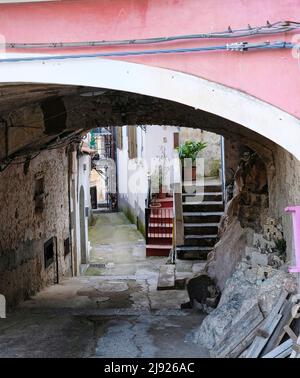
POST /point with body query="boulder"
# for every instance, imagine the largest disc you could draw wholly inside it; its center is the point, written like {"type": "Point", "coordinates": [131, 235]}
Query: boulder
{"type": "Point", "coordinates": [228, 252]}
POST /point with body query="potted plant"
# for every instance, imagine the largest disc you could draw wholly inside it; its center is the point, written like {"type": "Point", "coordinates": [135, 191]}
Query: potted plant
{"type": "Point", "coordinates": [161, 173]}
{"type": "Point", "coordinates": [162, 190]}
{"type": "Point", "coordinates": [190, 150]}
{"type": "Point", "coordinates": [157, 179]}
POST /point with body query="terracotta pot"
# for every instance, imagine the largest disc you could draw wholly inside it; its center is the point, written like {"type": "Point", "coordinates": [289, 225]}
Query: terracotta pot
{"type": "Point", "coordinates": [162, 195]}
{"type": "Point", "coordinates": [194, 173]}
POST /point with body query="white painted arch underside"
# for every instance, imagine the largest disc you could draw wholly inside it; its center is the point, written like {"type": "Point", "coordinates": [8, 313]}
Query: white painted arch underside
{"type": "Point", "coordinates": [248, 111]}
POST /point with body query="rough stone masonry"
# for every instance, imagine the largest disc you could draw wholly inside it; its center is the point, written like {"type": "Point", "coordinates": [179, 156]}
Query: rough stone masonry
{"type": "Point", "coordinates": [34, 209]}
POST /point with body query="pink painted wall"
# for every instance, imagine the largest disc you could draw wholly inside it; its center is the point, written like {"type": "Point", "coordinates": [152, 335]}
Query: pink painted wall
{"type": "Point", "coordinates": [295, 211]}
{"type": "Point", "coordinates": [273, 76]}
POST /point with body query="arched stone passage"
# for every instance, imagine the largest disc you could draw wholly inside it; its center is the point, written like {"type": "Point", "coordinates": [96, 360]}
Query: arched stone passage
{"type": "Point", "coordinates": [256, 115]}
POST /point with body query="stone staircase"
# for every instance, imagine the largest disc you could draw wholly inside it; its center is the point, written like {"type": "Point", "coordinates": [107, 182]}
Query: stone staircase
{"type": "Point", "coordinates": [160, 228]}
{"type": "Point", "coordinates": [201, 215]}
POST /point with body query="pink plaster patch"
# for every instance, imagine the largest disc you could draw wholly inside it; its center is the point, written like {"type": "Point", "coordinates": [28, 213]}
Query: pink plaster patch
{"type": "Point", "coordinates": [295, 210]}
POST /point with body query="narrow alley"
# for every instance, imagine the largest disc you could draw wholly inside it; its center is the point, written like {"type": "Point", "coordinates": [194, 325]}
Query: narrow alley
{"type": "Point", "coordinates": [149, 179]}
{"type": "Point", "coordinates": [113, 310]}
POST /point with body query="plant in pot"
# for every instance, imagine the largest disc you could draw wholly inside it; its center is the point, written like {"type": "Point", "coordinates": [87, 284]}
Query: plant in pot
{"type": "Point", "coordinates": [190, 150]}
{"type": "Point", "coordinates": [157, 187]}
{"type": "Point", "coordinates": [162, 190]}
{"type": "Point", "coordinates": [162, 172]}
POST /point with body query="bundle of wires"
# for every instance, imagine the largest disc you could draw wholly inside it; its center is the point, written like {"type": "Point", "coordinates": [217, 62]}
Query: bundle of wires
{"type": "Point", "coordinates": [268, 29]}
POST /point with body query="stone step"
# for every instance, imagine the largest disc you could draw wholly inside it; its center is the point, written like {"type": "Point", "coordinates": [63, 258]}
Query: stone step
{"type": "Point", "coordinates": [160, 240]}
{"type": "Point", "coordinates": [208, 206]}
{"type": "Point", "coordinates": [202, 197]}
{"type": "Point", "coordinates": [192, 252]}
{"type": "Point", "coordinates": [161, 224]}
{"type": "Point", "coordinates": [202, 217]}
{"type": "Point", "coordinates": [102, 205]}
{"type": "Point", "coordinates": [200, 240]}
{"type": "Point", "coordinates": [164, 202]}
{"type": "Point", "coordinates": [166, 277]}
{"type": "Point", "coordinates": [200, 228]}
{"type": "Point", "coordinates": [161, 234]}
{"type": "Point", "coordinates": [158, 250]}
{"type": "Point", "coordinates": [161, 229]}
{"type": "Point", "coordinates": [159, 219]}
{"type": "Point", "coordinates": [189, 266]}
{"type": "Point", "coordinates": [189, 188]}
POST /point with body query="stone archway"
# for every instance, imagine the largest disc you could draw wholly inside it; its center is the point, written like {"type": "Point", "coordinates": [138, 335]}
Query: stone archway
{"type": "Point", "coordinates": [248, 111]}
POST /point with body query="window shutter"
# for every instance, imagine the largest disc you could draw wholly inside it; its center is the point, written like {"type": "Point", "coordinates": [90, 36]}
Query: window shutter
{"type": "Point", "coordinates": [176, 140]}
{"type": "Point", "coordinates": [120, 137]}
{"type": "Point", "coordinates": [132, 142]}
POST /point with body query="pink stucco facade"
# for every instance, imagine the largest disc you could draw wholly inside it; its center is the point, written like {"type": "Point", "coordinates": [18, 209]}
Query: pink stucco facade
{"type": "Point", "coordinates": [295, 211]}
{"type": "Point", "coordinates": [270, 75]}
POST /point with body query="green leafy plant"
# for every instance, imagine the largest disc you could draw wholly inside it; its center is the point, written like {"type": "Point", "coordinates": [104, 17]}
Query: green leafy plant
{"type": "Point", "coordinates": [190, 149]}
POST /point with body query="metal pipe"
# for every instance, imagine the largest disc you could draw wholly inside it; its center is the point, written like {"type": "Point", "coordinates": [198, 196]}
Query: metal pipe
{"type": "Point", "coordinates": [223, 168]}
{"type": "Point", "coordinates": [232, 47]}
{"type": "Point", "coordinates": [70, 212]}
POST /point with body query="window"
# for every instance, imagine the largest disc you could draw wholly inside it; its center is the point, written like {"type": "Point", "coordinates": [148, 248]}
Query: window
{"type": "Point", "coordinates": [176, 140]}
{"type": "Point", "coordinates": [67, 248]}
{"type": "Point", "coordinates": [132, 142]}
{"type": "Point", "coordinates": [49, 252]}
{"type": "Point", "coordinates": [39, 193]}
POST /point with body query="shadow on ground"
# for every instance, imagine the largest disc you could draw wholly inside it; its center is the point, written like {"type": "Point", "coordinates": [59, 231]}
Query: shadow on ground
{"type": "Point", "coordinates": [114, 310]}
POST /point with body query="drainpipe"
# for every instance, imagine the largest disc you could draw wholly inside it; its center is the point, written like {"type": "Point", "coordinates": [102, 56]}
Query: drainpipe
{"type": "Point", "coordinates": [223, 167]}
{"type": "Point", "coordinates": [115, 158]}
{"type": "Point", "coordinates": [6, 140]}
{"type": "Point", "coordinates": [70, 210]}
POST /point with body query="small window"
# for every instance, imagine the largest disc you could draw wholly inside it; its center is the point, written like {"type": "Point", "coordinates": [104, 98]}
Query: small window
{"type": "Point", "coordinates": [67, 248]}
{"type": "Point", "coordinates": [49, 252]}
{"type": "Point", "coordinates": [39, 194]}
{"type": "Point", "coordinates": [176, 140]}
{"type": "Point", "coordinates": [39, 186]}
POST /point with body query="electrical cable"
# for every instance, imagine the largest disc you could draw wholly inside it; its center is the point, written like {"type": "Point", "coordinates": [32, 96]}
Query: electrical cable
{"type": "Point", "coordinates": [237, 46]}
{"type": "Point", "coordinates": [268, 29]}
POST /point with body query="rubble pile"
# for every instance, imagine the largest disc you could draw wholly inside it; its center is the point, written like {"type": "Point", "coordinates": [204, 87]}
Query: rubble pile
{"type": "Point", "coordinates": [250, 294]}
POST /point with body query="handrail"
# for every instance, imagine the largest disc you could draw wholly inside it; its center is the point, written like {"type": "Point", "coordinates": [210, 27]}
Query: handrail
{"type": "Point", "coordinates": [149, 194]}
{"type": "Point", "coordinates": [177, 203]}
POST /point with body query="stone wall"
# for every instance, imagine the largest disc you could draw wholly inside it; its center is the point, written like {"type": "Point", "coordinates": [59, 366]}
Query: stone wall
{"type": "Point", "coordinates": [285, 191]}
{"type": "Point", "coordinates": [34, 208]}
{"type": "Point", "coordinates": [250, 209]}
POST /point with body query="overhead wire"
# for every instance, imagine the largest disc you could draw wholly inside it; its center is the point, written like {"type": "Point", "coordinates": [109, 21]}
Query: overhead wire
{"type": "Point", "coordinates": [278, 27]}
{"type": "Point", "coordinates": [268, 29]}
{"type": "Point", "coordinates": [237, 46]}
